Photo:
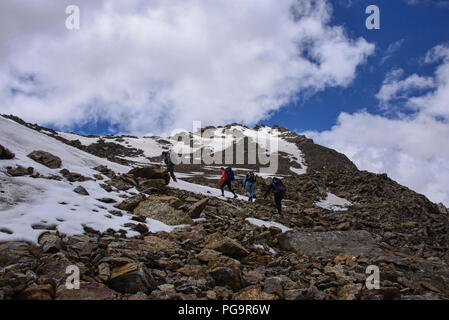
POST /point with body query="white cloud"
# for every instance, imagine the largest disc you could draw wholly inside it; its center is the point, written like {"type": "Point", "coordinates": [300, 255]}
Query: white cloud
{"type": "Point", "coordinates": [151, 66]}
{"type": "Point", "coordinates": [393, 88]}
{"type": "Point", "coordinates": [414, 149]}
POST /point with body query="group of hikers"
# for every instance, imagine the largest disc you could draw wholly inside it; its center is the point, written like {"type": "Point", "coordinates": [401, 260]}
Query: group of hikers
{"type": "Point", "coordinates": [249, 182]}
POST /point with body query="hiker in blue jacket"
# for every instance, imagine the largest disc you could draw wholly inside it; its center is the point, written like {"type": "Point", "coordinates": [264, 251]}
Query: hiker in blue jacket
{"type": "Point", "coordinates": [249, 182]}
{"type": "Point", "coordinates": [279, 191]}
{"type": "Point", "coordinates": [227, 175]}
{"type": "Point", "coordinates": [170, 165]}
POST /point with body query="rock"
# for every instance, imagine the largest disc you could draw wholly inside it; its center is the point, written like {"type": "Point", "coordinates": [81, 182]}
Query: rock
{"type": "Point", "coordinates": [295, 294]}
{"type": "Point", "coordinates": [131, 278]}
{"type": "Point", "coordinates": [131, 203]}
{"type": "Point", "coordinates": [81, 190]}
{"type": "Point", "coordinates": [141, 228]}
{"type": "Point", "coordinates": [155, 244]}
{"type": "Point", "coordinates": [104, 272]}
{"type": "Point", "coordinates": [50, 243]}
{"type": "Point", "coordinates": [20, 171]}
{"type": "Point", "coordinates": [5, 154]}
{"type": "Point", "coordinates": [253, 293]}
{"type": "Point", "coordinates": [16, 253]}
{"type": "Point", "coordinates": [138, 296]}
{"type": "Point", "coordinates": [148, 185]}
{"type": "Point", "coordinates": [106, 171]}
{"type": "Point", "coordinates": [349, 292]}
{"type": "Point", "coordinates": [150, 173]}
{"type": "Point", "coordinates": [274, 286]}
{"type": "Point", "coordinates": [107, 200]}
{"type": "Point", "coordinates": [211, 295]}
{"type": "Point", "coordinates": [87, 291]}
{"type": "Point", "coordinates": [229, 247]}
{"type": "Point", "coordinates": [37, 292]}
{"type": "Point", "coordinates": [226, 272]}
{"type": "Point", "coordinates": [164, 292]}
{"type": "Point", "coordinates": [207, 255]}
{"type": "Point", "coordinates": [54, 267]}
{"type": "Point", "coordinates": [427, 296]}
{"type": "Point", "coordinates": [222, 293]}
{"type": "Point", "coordinates": [73, 176]}
{"type": "Point", "coordinates": [118, 184]}
{"type": "Point", "coordinates": [161, 211]}
{"type": "Point", "coordinates": [344, 257]}
{"type": "Point", "coordinates": [195, 211]}
{"type": "Point", "coordinates": [45, 158]}
{"type": "Point", "coordinates": [254, 276]}
{"type": "Point", "coordinates": [170, 200]}
{"type": "Point", "coordinates": [356, 243]}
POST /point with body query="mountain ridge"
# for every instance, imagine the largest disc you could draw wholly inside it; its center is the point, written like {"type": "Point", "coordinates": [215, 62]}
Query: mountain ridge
{"type": "Point", "coordinates": [191, 243]}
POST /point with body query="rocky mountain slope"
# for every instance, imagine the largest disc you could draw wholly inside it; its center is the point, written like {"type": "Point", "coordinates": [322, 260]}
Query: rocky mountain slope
{"type": "Point", "coordinates": [104, 205]}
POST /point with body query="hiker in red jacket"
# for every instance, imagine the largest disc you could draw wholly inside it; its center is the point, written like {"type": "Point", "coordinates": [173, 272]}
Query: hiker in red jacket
{"type": "Point", "coordinates": [225, 180]}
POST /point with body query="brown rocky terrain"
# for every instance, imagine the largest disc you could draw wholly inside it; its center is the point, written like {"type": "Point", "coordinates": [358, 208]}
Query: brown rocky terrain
{"type": "Point", "coordinates": [323, 255]}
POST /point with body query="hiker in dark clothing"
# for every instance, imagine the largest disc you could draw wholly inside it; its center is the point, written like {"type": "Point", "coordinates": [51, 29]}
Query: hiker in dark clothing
{"type": "Point", "coordinates": [170, 165]}
{"type": "Point", "coordinates": [279, 191]}
{"type": "Point", "coordinates": [227, 175]}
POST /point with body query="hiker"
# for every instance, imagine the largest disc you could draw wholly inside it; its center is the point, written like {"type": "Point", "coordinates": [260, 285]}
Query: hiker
{"type": "Point", "coordinates": [249, 182]}
{"type": "Point", "coordinates": [279, 191]}
{"type": "Point", "coordinates": [227, 175]}
{"type": "Point", "coordinates": [170, 165]}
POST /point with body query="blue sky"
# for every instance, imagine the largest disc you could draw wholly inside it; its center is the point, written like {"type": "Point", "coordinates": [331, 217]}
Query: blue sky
{"type": "Point", "coordinates": [415, 28]}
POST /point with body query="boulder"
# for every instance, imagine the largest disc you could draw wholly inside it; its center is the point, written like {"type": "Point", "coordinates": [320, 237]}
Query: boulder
{"type": "Point", "coordinates": [333, 243]}
{"type": "Point", "coordinates": [195, 211]}
{"type": "Point", "coordinates": [349, 292]}
{"type": "Point", "coordinates": [155, 244]}
{"type": "Point", "coordinates": [50, 243]}
{"type": "Point", "coordinates": [161, 211]}
{"type": "Point", "coordinates": [170, 200]}
{"type": "Point", "coordinates": [46, 158]}
{"type": "Point", "coordinates": [37, 292]}
{"type": "Point", "coordinates": [229, 247]}
{"type": "Point", "coordinates": [87, 291]}
{"type": "Point", "coordinates": [81, 190]}
{"type": "Point", "coordinates": [253, 293]}
{"type": "Point", "coordinates": [16, 253]}
{"type": "Point", "coordinates": [226, 272]}
{"type": "Point", "coordinates": [131, 203]}
{"type": "Point", "coordinates": [19, 171]}
{"type": "Point", "coordinates": [150, 173]}
{"type": "Point", "coordinates": [5, 154]}
{"type": "Point", "coordinates": [132, 278]}
{"type": "Point", "coordinates": [207, 255]}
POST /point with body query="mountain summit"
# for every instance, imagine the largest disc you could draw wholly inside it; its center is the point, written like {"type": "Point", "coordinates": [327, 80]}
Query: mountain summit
{"type": "Point", "coordinates": [107, 206]}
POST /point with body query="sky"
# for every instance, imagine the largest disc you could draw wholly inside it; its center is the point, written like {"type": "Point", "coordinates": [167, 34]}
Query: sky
{"type": "Point", "coordinates": [148, 67]}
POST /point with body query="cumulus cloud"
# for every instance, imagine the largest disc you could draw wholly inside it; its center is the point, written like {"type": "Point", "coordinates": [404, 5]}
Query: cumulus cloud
{"type": "Point", "coordinates": [394, 89]}
{"type": "Point", "coordinates": [151, 66]}
{"type": "Point", "coordinates": [412, 149]}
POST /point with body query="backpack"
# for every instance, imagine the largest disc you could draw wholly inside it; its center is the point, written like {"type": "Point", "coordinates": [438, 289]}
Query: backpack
{"type": "Point", "coordinates": [168, 161]}
{"type": "Point", "coordinates": [250, 177]}
{"type": "Point", "coordinates": [278, 186]}
{"type": "Point", "coordinates": [230, 173]}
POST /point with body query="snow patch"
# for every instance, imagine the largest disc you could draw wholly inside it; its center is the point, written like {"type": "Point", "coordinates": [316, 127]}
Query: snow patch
{"type": "Point", "coordinates": [334, 203]}
{"type": "Point", "coordinates": [267, 224]}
